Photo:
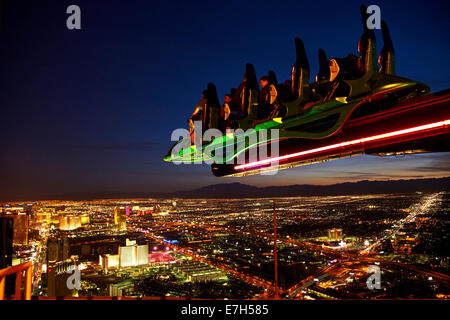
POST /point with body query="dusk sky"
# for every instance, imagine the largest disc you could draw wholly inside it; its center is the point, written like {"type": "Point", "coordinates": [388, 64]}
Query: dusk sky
{"type": "Point", "coordinates": [93, 109]}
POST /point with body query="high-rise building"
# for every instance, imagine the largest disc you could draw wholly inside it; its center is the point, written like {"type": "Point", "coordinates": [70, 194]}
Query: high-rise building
{"type": "Point", "coordinates": [133, 255]}
{"type": "Point", "coordinates": [6, 241]}
{"type": "Point", "coordinates": [28, 209]}
{"type": "Point", "coordinates": [6, 250]}
{"type": "Point", "coordinates": [120, 218]}
{"type": "Point", "coordinates": [58, 274]}
{"type": "Point", "coordinates": [108, 261]}
{"type": "Point", "coordinates": [339, 235]}
{"type": "Point", "coordinates": [334, 234]}
{"type": "Point", "coordinates": [57, 249]}
{"type": "Point", "coordinates": [129, 256]}
{"type": "Point", "coordinates": [123, 288]}
{"type": "Point", "coordinates": [85, 219]}
{"type": "Point", "coordinates": [142, 255]}
{"type": "Point", "coordinates": [21, 227]}
{"type": "Point", "coordinates": [69, 222]}
{"type": "Point", "coordinates": [74, 222]}
{"type": "Point", "coordinates": [63, 223]}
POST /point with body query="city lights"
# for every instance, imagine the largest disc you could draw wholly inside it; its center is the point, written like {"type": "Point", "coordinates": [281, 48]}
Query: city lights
{"type": "Point", "coordinates": [181, 249]}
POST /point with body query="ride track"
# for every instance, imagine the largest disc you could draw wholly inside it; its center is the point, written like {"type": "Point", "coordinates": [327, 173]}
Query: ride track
{"type": "Point", "coordinates": [417, 125]}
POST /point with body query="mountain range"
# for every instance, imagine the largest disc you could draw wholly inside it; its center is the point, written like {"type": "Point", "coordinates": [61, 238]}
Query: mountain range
{"type": "Point", "coordinates": [239, 190]}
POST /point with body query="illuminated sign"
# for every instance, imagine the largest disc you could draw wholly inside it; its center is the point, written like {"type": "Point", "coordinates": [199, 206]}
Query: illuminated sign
{"type": "Point", "coordinates": [170, 241]}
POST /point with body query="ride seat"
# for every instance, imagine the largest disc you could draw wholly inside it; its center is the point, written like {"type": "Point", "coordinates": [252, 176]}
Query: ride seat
{"type": "Point", "coordinates": [211, 116]}
{"type": "Point", "coordinates": [361, 81]}
{"type": "Point", "coordinates": [273, 78]}
{"type": "Point", "coordinates": [324, 70]}
{"type": "Point", "coordinates": [386, 59]}
{"type": "Point", "coordinates": [321, 85]}
{"type": "Point", "coordinates": [367, 63]}
{"type": "Point", "coordinates": [299, 80]}
{"type": "Point", "coordinates": [251, 93]}
{"type": "Point", "coordinates": [249, 96]}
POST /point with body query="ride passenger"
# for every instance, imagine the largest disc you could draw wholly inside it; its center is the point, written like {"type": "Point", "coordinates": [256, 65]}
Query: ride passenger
{"type": "Point", "coordinates": [237, 95]}
{"type": "Point", "coordinates": [225, 111]}
{"type": "Point", "coordinates": [341, 69]}
{"type": "Point", "coordinates": [198, 114]}
{"type": "Point", "coordinates": [267, 97]}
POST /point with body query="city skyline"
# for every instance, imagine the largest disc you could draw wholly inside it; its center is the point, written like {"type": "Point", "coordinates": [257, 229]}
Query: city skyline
{"type": "Point", "coordinates": [204, 248]}
{"type": "Point", "coordinates": [240, 190]}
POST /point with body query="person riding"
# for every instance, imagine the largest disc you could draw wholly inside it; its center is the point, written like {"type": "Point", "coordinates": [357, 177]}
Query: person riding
{"type": "Point", "coordinates": [267, 97]}
{"type": "Point", "coordinates": [225, 111]}
{"type": "Point", "coordinates": [237, 95]}
{"type": "Point", "coordinates": [198, 114]}
{"type": "Point", "coordinates": [342, 69]}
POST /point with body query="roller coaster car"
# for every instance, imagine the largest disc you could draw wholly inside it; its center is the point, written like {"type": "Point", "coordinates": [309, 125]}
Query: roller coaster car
{"type": "Point", "coordinates": [345, 91]}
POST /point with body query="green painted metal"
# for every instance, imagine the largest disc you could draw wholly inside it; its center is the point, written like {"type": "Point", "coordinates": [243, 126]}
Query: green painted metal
{"type": "Point", "coordinates": [337, 110]}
